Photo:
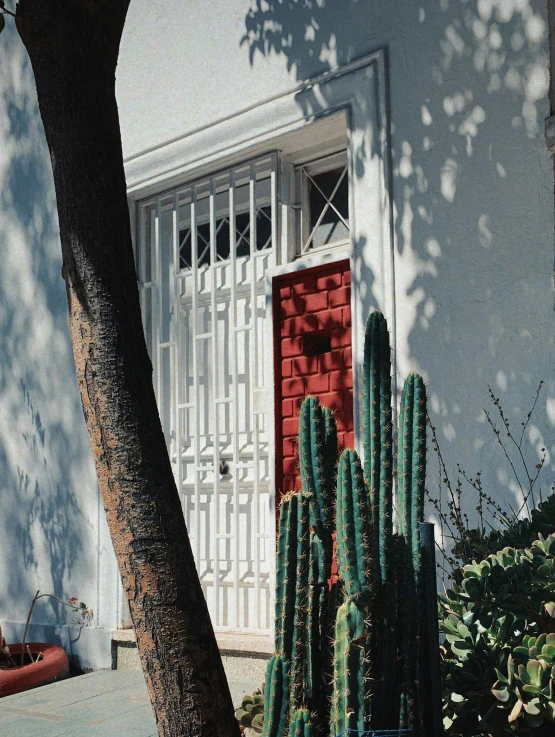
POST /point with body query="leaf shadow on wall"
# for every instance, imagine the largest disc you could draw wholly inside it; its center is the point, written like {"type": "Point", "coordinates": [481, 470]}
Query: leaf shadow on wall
{"type": "Point", "coordinates": [47, 533]}
{"type": "Point", "coordinates": [468, 89]}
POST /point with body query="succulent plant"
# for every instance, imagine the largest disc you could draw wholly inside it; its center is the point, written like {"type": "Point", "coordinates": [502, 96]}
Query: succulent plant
{"type": "Point", "coordinates": [499, 650]}
{"type": "Point", "coordinates": [251, 712]}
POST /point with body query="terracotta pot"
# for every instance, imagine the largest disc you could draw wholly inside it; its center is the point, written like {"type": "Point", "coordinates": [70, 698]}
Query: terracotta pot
{"type": "Point", "coordinates": [53, 666]}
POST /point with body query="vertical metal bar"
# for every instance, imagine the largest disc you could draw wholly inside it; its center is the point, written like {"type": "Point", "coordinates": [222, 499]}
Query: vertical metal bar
{"type": "Point", "coordinates": [171, 340]}
{"type": "Point", "coordinates": [141, 259]}
{"type": "Point", "coordinates": [427, 543]}
{"type": "Point", "coordinates": [274, 210]}
{"type": "Point", "coordinates": [215, 516]}
{"type": "Point", "coordinates": [196, 383]}
{"type": "Point", "coordinates": [156, 308]}
{"type": "Point", "coordinates": [235, 399]}
{"type": "Point", "coordinates": [254, 382]}
{"type": "Point", "coordinates": [174, 337]}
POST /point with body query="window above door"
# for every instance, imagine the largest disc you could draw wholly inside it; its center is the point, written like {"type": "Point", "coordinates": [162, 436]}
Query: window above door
{"type": "Point", "coordinates": [322, 203]}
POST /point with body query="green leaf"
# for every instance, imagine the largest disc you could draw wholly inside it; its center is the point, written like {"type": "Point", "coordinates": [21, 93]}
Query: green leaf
{"type": "Point", "coordinates": [528, 688]}
{"type": "Point", "coordinates": [464, 632]}
{"type": "Point", "coordinates": [468, 617]}
{"type": "Point", "coordinates": [523, 674]}
{"type": "Point", "coordinates": [515, 711]}
{"type": "Point", "coordinates": [258, 723]}
{"type": "Point", "coordinates": [533, 668]}
{"type": "Point", "coordinates": [501, 694]}
{"type": "Point", "coordinates": [550, 608]}
{"type": "Point", "coordinates": [534, 720]}
{"type": "Point", "coordinates": [510, 668]}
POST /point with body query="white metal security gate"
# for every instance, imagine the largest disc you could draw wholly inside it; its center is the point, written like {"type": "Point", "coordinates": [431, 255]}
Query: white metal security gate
{"type": "Point", "coordinates": [203, 253]}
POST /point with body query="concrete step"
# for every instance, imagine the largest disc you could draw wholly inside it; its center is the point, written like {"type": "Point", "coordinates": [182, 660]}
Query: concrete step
{"type": "Point", "coordinates": [233, 645]}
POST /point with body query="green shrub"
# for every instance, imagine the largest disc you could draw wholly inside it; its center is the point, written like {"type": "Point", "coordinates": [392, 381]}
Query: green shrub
{"type": "Point", "coordinates": [499, 649]}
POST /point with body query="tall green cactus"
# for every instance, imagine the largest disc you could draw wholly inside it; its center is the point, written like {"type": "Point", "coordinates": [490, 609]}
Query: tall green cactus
{"type": "Point", "coordinates": [351, 705]}
{"type": "Point", "coordinates": [276, 697]}
{"type": "Point", "coordinates": [379, 678]}
{"type": "Point", "coordinates": [301, 724]}
{"type": "Point", "coordinates": [411, 464]}
{"type": "Point", "coordinates": [377, 429]}
{"type": "Point", "coordinates": [411, 473]}
{"type": "Point", "coordinates": [317, 450]}
{"type": "Point", "coordinates": [286, 573]}
{"type": "Point", "coordinates": [297, 655]}
{"type": "Point", "coordinates": [353, 526]}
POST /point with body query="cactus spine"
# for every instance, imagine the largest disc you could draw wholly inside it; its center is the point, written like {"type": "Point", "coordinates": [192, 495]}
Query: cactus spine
{"type": "Point", "coordinates": [379, 678]}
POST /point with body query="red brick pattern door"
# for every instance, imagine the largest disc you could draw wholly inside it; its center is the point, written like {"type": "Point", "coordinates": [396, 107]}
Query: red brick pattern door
{"type": "Point", "coordinates": [312, 352]}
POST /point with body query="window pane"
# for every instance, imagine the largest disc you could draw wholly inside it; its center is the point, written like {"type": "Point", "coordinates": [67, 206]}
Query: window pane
{"type": "Point", "coordinates": [243, 237]}
{"type": "Point", "coordinates": [263, 228]}
{"type": "Point", "coordinates": [203, 244]}
{"type": "Point", "coordinates": [222, 239]}
{"type": "Point", "coordinates": [321, 188]}
{"type": "Point", "coordinates": [185, 259]}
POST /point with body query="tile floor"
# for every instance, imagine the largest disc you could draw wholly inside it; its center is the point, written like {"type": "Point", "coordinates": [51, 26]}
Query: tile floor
{"type": "Point", "coordinates": [107, 703]}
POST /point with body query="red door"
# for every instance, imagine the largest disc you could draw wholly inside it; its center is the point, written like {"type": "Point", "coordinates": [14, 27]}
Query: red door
{"type": "Point", "coordinates": [312, 352]}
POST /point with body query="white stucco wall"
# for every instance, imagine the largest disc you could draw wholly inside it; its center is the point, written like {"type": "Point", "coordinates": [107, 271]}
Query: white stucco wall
{"type": "Point", "coordinates": [472, 180]}
{"type": "Point", "coordinates": [472, 215]}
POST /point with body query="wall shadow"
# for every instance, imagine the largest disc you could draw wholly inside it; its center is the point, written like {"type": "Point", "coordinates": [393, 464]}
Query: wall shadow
{"type": "Point", "coordinates": [49, 508]}
{"type": "Point", "coordinates": [472, 194]}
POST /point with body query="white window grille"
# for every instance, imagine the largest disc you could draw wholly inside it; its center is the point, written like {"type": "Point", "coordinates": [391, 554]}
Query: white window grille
{"type": "Point", "coordinates": [203, 253]}
{"type": "Point", "coordinates": [322, 188]}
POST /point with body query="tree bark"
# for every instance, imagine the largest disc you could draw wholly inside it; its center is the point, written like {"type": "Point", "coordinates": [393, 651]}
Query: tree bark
{"type": "Point", "coordinates": [73, 47]}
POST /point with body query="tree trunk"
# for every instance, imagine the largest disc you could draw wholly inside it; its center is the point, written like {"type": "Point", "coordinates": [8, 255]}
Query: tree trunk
{"type": "Point", "coordinates": [73, 47]}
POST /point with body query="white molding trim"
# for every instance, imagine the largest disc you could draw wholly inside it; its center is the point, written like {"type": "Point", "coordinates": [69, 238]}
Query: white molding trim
{"type": "Point", "coordinates": [239, 135]}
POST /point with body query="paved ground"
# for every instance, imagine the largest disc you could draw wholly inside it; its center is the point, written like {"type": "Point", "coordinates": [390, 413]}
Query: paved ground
{"type": "Point", "coordinates": [107, 703]}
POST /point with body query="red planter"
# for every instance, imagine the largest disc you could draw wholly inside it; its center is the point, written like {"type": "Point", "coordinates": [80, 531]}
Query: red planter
{"type": "Point", "coordinates": [53, 666]}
